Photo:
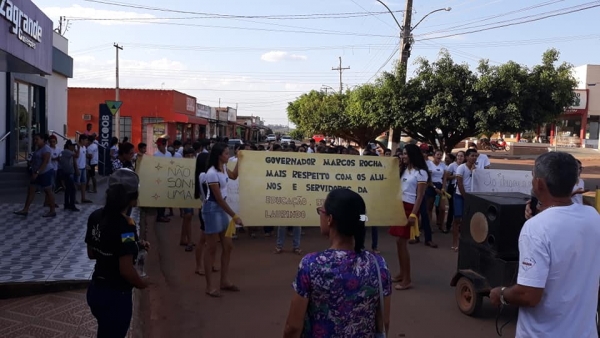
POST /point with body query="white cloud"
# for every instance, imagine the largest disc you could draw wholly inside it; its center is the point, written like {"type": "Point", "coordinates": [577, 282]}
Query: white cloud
{"type": "Point", "coordinates": [277, 56]}
{"type": "Point", "coordinates": [78, 12]}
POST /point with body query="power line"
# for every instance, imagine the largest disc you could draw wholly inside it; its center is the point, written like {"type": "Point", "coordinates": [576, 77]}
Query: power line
{"type": "Point", "coordinates": [541, 16]}
{"type": "Point", "coordinates": [597, 4]}
{"type": "Point", "coordinates": [232, 16]}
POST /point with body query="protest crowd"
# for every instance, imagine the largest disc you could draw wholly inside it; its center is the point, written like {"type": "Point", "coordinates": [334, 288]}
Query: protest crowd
{"type": "Point", "coordinates": [433, 189]}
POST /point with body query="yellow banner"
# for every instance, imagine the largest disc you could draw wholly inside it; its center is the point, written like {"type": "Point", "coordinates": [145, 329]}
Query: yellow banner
{"type": "Point", "coordinates": [285, 189]}
{"type": "Point", "coordinates": [167, 182]}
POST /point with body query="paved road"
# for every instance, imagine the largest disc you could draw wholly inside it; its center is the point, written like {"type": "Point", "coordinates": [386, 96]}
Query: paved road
{"type": "Point", "coordinates": [179, 307]}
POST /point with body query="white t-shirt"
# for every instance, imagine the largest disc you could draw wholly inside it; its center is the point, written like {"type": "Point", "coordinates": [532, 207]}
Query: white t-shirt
{"type": "Point", "coordinates": [451, 169]}
{"type": "Point", "coordinates": [81, 160]}
{"type": "Point", "coordinates": [482, 161]}
{"type": "Point", "coordinates": [309, 150]}
{"type": "Point", "coordinates": [93, 149]}
{"type": "Point", "coordinates": [467, 176]}
{"type": "Point", "coordinates": [220, 177]}
{"type": "Point", "coordinates": [579, 197]}
{"type": "Point", "coordinates": [437, 171]}
{"type": "Point", "coordinates": [559, 251]}
{"type": "Point", "coordinates": [177, 155]}
{"type": "Point", "coordinates": [410, 180]}
{"type": "Point", "coordinates": [165, 154]}
{"type": "Point", "coordinates": [54, 155]}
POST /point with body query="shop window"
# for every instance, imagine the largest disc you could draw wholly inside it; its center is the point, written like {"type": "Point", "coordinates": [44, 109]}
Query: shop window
{"type": "Point", "coordinates": [147, 120]}
{"type": "Point", "coordinates": [125, 128]}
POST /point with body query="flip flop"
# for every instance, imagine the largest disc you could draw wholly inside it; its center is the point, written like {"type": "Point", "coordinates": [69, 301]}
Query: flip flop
{"type": "Point", "coordinates": [50, 214]}
{"type": "Point", "coordinates": [21, 213]}
{"type": "Point", "coordinates": [403, 287]}
{"type": "Point", "coordinates": [214, 294]}
{"type": "Point", "coordinates": [231, 288]}
{"type": "Point", "coordinates": [200, 272]}
{"type": "Point", "coordinates": [397, 279]}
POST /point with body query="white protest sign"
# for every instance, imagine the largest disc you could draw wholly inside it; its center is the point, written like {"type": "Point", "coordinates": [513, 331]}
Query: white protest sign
{"type": "Point", "coordinates": [233, 190]}
{"type": "Point", "coordinates": [495, 180]}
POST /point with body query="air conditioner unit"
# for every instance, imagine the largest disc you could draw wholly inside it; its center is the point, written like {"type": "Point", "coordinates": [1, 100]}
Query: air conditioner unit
{"type": "Point", "coordinates": [87, 117]}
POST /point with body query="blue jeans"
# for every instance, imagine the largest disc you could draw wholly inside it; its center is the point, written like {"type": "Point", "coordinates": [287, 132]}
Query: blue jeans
{"type": "Point", "coordinates": [70, 190]}
{"type": "Point", "coordinates": [374, 237]}
{"type": "Point", "coordinates": [281, 232]}
{"type": "Point", "coordinates": [112, 308]}
{"type": "Point", "coordinates": [425, 221]}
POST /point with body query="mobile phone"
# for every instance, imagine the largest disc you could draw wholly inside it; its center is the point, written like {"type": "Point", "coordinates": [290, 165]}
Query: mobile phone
{"type": "Point", "coordinates": [533, 205]}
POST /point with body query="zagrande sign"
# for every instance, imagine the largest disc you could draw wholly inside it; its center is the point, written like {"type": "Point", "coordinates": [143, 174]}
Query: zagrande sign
{"type": "Point", "coordinates": [27, 29]}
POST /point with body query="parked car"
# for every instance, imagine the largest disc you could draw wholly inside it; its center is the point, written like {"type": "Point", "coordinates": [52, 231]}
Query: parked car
{"type": "Point", "coordinates": [286, 139]}
{"type": "Point", "coordinates": [271, 138]}
{"type": "Point", "coordinates": [232, 143]}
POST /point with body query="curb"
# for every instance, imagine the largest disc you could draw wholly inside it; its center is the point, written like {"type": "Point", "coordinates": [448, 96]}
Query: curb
{"type": "Point", "coordinates": [26, 289]}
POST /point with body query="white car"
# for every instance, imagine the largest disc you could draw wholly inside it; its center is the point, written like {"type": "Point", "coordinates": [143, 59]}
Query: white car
{"type": "Point", "coordinates": [286, 139]}
{"type": "Point", "coordinates": [271, 138]}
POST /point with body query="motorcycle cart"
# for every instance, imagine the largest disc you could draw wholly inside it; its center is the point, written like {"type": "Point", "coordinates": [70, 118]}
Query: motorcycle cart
{"type": "Point", "coordinates": [488, 254]}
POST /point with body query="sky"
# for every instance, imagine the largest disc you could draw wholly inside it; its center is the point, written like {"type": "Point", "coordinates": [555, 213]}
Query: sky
{"type": "Point", "coordinates": [259, 55]}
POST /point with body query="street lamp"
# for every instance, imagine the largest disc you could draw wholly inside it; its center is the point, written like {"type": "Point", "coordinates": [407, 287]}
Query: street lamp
{"type": "Point", "coordinates": [406, 40]}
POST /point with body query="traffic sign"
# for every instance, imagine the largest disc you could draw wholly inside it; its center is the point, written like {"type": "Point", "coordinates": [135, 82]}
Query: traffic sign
{"type": "Point", "coordinates": [114, 106]}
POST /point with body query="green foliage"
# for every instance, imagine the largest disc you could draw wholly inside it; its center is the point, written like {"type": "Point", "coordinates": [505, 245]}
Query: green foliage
{"type": "Point", "coordinates": [297, 134]}
{"type": "Point", "coordinates": [444, 103]}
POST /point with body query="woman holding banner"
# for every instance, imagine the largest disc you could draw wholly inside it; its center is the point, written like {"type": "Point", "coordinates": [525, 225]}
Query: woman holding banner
{"type": "Point", "coordinates": [214, 214]}
{"type": "Point", "coordinates": [414, 176]}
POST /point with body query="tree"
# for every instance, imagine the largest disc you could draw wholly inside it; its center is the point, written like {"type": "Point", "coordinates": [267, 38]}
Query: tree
{"type": "Point", "coordinates": [447, 102]}
{"type": "Point", "coordinates": [439, 105]}
{"type": "Point", "coordinates": [297, 134]}
{"type": "Point", "coordinates": [357, 115]}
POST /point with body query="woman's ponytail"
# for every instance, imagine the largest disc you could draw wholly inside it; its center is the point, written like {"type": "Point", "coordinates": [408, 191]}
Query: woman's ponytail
{"type": "Point", "coordinates": [359, 235]}
{"type": "Point", "coordinates": [349, 212]}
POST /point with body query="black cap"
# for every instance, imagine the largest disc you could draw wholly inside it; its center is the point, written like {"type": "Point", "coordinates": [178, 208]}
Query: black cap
{"type": "Point", "coordinates": [125, 177]}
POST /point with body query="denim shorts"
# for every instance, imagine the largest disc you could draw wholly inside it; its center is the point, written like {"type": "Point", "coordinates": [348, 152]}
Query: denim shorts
{"type": "Point", "coordinates": [459, 204]}
{"type": "Point", "coordinates": [215, 218]}
{"type": "Point", "coordinates": [430, 192]}
{"type": "Point", "coordinates": [187, 211]}
{"type": "Point", "coordinates": [43, 180]}
{"type": "Point", "coordinates": [82, 178]}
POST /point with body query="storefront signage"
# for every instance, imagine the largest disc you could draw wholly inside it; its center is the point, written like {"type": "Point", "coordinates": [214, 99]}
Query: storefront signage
{"type": "Point", "coordinates": [106, 133]}
{"type": "Point", "coordinates": [213, 114]}
{"type": "Point", "coordinates": [28, 30]}
{"type": "Point", "coordinates": [223, 116]}
{"type": "Point", "coordinates": [26, 36]}
{"type": "Point", "coordinates": [190, 104]}
{"type": "Point", "coordinates": [202, 111]}
{"type": "Point", "coordinates": [579, 104]}
{"type": "Point", "coordinates": [231, 115]}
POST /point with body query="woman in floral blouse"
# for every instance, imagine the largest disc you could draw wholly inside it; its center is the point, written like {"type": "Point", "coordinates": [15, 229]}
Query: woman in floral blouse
{"type": "Point", "coordinates": [337, 290]}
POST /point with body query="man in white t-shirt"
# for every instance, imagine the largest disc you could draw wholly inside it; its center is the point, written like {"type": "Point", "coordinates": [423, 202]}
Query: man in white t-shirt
{"type": "Point", "coordinates": [161, 145]}
{"type": "Point", "coordinates": [92, 155]}
{"type": "Point", "coordinates": [81, 160]}
{"type": "Point", "coordinates": [483, 161]}
{"type": "Point", "coordinates": [559, 258]}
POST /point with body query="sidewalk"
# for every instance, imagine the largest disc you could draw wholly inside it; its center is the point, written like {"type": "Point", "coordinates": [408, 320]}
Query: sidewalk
{"type": "Point", "coordinates": [63, 314]}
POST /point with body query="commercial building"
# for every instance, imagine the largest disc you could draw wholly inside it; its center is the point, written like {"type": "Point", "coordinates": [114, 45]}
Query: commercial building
{"type": "Point", "coordinates": [169, 112]}
{"type": "Point", "coordinates": [252, 128]}
{"type": "Point", "coordinates": [586, 116]}
{"type": "Point", "coordinates": [34, 70]}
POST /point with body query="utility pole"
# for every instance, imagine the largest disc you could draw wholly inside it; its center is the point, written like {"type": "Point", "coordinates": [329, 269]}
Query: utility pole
{"type": "Point", "coordinates": [117, 118]}
{"type": "Point", "coordinates": [341, 70]}
{"type": "Point", "coordinates": [405, 47]}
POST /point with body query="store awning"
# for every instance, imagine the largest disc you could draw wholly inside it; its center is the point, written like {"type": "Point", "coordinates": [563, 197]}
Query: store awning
{"type": "Point", "coordinates": [180, 118]}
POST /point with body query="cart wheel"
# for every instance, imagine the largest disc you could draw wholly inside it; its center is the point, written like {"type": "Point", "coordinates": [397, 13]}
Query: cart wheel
{"type": "Point", "coordinates": [468, 301]}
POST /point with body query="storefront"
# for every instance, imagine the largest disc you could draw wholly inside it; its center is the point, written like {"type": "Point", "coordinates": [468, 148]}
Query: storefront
{"type": "Point", "coordinates": [571, 127]}
{"type": "Point", "coordinates": [174, 111]}
{"type": "Point", "coordinates": [222, 127]}
{"type": "Point", "coordinates": [25, 58]}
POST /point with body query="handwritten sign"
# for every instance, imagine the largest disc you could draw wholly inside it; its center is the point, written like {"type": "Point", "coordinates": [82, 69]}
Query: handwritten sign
{"type": "Point", "coordinates": [233, 191]}
{"type": "Point", "coordinates": [285, 189]}
{"type": "Point", "coordinates": [494, 180]}
{"type": "Point", "coordinates": [167, 182]}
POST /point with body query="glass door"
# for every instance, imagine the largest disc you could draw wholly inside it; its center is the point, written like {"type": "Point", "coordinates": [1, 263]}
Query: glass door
{"type": "Point", "coordinates": [26, 119]}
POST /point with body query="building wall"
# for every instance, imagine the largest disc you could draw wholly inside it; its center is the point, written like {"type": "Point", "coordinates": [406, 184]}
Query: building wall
{"type": "Point", "coordinates": [57, 103]}
{"type": "Point", "coordinates": [137, 104]}
{"type": "Point", "coordinates": [593, 77]}
{"type": "Point", "coordinates": [3, 112]}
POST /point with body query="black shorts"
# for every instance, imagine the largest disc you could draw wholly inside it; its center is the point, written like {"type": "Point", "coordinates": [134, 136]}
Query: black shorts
{"type": "Point", "coordinates": [92, 170]}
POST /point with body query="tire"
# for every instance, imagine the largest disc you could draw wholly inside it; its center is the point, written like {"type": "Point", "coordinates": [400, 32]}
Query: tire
{"type": "Point", "coordinates": [469, 302]}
